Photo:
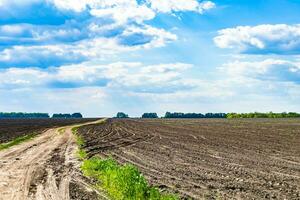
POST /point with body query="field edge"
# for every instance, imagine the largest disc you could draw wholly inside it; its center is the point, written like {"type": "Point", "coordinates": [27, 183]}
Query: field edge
{"type": "Point", "coordinates": [114, 178]}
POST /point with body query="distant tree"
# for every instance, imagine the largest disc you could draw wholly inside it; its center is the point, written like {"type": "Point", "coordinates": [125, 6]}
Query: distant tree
{"type": "Point", "coordinates": [168, 115]}
{"type": "Point", "coordinates": [263, 115]}
{"type": "Point", "coordinates": [150, 115]}
{"type": "Point", "coordinates": [121, 115]}
{"type": "Point", "coordinates": [61, 116]}
{"type": "Point", "coordinates": [194, 115]}
{"type": "Point", "coordinates": [76, 115]}
{"type": "Point", "coordinates": [23, 115]}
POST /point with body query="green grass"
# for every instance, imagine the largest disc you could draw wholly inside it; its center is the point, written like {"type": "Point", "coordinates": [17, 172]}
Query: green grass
{"type": "Point", "coordinates": [122, 181]}
{"type": "Point", "coordinates": [17, 141]}
{"type": "Point", "coordinates": [75, 130]}
{"type": "Point", "coordinates": [61, 130]}
{"type": "Point", "coordinates": [80, 142]}
{"type": "Point", "coordinates": [81, 154]}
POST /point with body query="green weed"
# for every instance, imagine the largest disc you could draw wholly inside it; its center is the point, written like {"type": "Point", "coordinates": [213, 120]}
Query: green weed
{"type": "Point", "coordinates": [122, 181]}
{"type": "Point", "coordinates": [80, 142]}
{"type": "Point", "coordinates": [17, 141]}
{"type": "Point", "coordinates": [82, 154]}
{"type": "Point", "coordinates": [62, 130]}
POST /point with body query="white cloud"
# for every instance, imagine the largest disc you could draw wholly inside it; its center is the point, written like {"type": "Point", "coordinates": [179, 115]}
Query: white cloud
{"type": "Point", "coordinates": [85, 29]}
{"type": "Point", "coordinates": [266, 70]}
{"type": "Point", "coordinates": [158, 37]}
{"type": "Point", "coordinates": [132, 38]}
{"type": "Point", "coordinates": [120, 10]}
{"type": "Point", "coordinates": [75, 5]}
{"type": "Point", "coordinates": [262, 39]}
{"type": "Point", "coordinates": [130, 76]}
{"type": "Point", "coordinates": [167, 6]}
{"type": "Point", "coordinates": [123, 10]}
{"type": "Point", "coordinates": [122, 14]}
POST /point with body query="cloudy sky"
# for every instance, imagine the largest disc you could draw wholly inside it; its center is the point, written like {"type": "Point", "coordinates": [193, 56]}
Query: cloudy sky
{"type": "Point", "coordinates": [99, 57]}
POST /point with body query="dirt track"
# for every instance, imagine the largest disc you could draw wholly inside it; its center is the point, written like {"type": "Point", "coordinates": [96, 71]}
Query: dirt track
{"type": "Point", "coordinates": [43, 168]}
{"type": "Point", "coordinates": [207, 158]}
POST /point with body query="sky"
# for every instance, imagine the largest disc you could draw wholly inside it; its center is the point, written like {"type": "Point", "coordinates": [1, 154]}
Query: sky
{"type": "Point", "coordinates": [99, 57]}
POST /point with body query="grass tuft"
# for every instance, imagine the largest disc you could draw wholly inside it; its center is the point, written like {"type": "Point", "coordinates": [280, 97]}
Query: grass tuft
{"type": "Point", "coordinates": [80, 142]}
{"type": "Point", "coordinates": [17, 141]}
{"type": "Point", "coordinates": [81, 154]}
{"type": "Point", "coordinates": [122, 181]}
{"type": "Point", "coordinates": [62, 130]}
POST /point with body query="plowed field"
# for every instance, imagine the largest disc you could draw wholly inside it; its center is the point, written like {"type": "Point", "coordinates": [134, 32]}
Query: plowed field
{"type": "Point", "coordinates": [12, 128]}
{"type": "Point", "coordinates": [207, 158]}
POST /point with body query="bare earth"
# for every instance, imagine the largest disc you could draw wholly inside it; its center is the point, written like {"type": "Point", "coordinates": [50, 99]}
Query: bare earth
{"type": "Point", "coordinates": [207, 158]}
{"type": "Point", "coordinates": [43, 168]}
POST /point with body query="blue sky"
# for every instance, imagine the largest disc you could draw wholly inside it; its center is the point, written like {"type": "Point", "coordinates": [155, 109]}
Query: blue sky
{"type": "Point", "coordinates": [99, 57]}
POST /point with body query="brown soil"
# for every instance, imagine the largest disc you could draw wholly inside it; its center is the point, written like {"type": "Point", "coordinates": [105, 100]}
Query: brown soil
{"type": "Point", "coordinates": [44, 168]}
{"type": "Point", "coordinates": [207, 158]}
{"type": "Point", "coordinates": [12, 128]}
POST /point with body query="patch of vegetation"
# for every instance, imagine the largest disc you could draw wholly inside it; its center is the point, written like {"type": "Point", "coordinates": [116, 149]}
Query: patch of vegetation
{"type": "Point", "coordinates": [75, 129]}
{"type": "Point", "coordinates": [14, 115]}
{"type": "Point", "coordinates": [194, 115]}
{"type": "Point", "coordinates": [150, 115]}
{"type": "Point", "coordinates": [82, 154]}
{"type": "Point", "coordinates": [263, 115]}
{"type": "Point", "coordinates": [61, 130]}
{"type": "Point", "coordinates": [122, 181]}
{"type": "Point", "coordinates": [80, 142]}
{"type": "Point", "coordinates": [17, 141]}
{"type": "Point", "coordinates": [121, 115]}
{"type": "Point", "coordinates": [66, 115]}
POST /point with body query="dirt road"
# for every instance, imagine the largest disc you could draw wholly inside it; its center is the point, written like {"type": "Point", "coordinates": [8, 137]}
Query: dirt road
{"type": "Point", "coordinates": [43, 168]}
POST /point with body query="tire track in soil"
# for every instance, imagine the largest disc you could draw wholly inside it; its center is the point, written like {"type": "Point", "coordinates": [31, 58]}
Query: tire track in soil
{"type": "Point", "coordinates": [43, 168]}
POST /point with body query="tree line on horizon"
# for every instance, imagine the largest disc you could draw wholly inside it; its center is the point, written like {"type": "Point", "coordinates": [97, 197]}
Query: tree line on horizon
{"type": "Point", "coordinates": [263, 115]}
{"type": "Point", "coordinates": [179, 115]}
{"type": "Point", "coordinates": [22, 115]}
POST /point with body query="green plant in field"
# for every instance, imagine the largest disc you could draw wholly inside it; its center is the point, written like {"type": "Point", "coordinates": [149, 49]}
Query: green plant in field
{"type": "Point", "coordinates": [61, 130]}
{"type": "Point", "coordinates": [263, 115]}
{"type": "Point", "coordinates": [17, 141]}
{"type": "Point", "coordinates": [80, 142]}
{"type": "Point", "coordinates": [82, 154]}
{"type": "Point", "coordinates": [75, 129]}
{"type": "Point", "coordinates": [122, 182]}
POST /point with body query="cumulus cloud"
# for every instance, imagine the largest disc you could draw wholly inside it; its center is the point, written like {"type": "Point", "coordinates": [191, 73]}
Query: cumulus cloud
{"type": "Point", "coordinates": [123, 10]}
{"type": "Point", "coordinates": [262, 39]}
{"type": "Point", "coordinates": [82, 30]}
{"type": "Point", "coordinates": [128, 76]}
{"type": "Point", "coordinates": [168, 6]}
{"type": "Point", "coordinates": [28, 45]}
{"type": "Point", "coordinates": [266, 70]}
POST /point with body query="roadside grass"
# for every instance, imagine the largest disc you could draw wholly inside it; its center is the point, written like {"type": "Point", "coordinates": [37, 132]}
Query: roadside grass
{"type": "Point", "coordinates": [80, 142]}
{"type": "Point", "coordinates": [17, 141]}
{"type": "Point", "coordinates": [62, 130]}
{"type": "Point", "coordinates": [121, 182]}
